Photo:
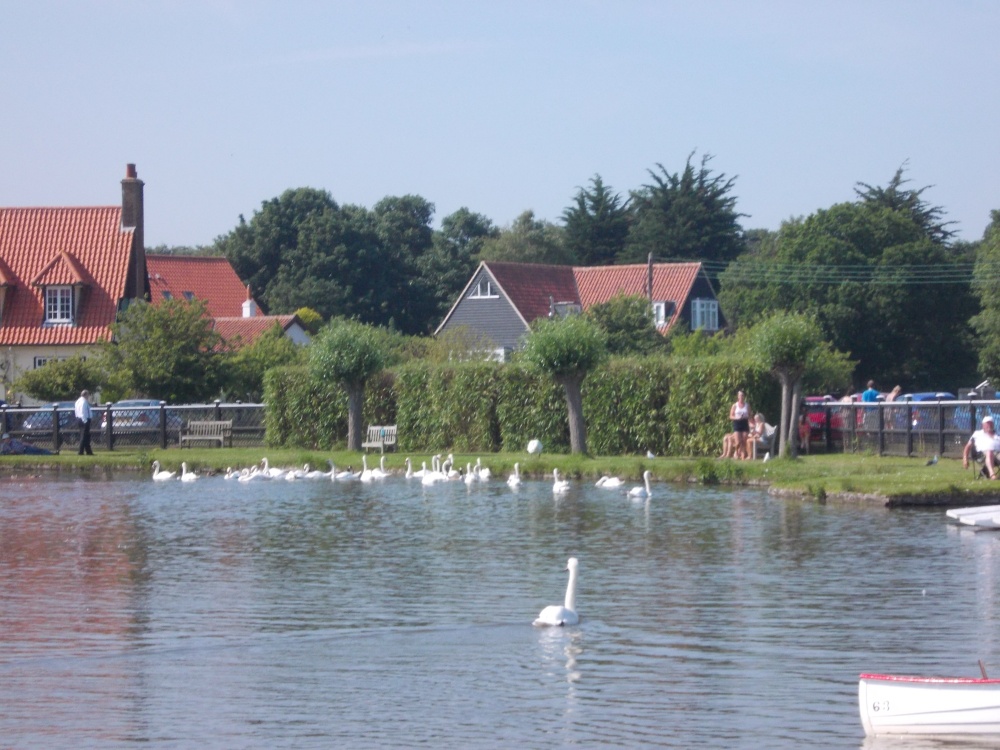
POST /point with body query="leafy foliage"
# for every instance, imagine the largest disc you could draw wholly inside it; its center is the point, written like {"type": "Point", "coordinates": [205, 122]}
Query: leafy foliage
{"type": "Point", "coordinates": [166, 351]}
{"type": "Point", "coordinates": [627, 322]}
{"type": "Point", "coordinates": [528, 240]}
{"type": "Point", "coordinates": [690, 215]}
{"type": "Point", "coordinates": [451, 260]}
{"type": "Point", "coordinates": [245, 367]}
{"type": "Point", "coordinates": [567, 347]}
{"type": "Point", "coordinates": [987, 322]}
{"type": "Point", "coordinates": [312, 321]}
{"type": "Point", "coordinates": [60, 380]}
{"type": "Point", "coordinates": [596, 225]}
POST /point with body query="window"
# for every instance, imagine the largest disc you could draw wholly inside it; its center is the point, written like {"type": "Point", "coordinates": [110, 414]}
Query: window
{"type": "Point", "coordinates": [662, 312]}
{"type": "Point", "coordinates": [483, 290]}
{"type": "Point", "coordinates": [189, 296]}
{"type": "Point", "coordinates": [704, 314]}
{"type": "Point", "coordinates": [58, 304]}
{"type": "Point", "coordinates": [40, 361]}
{"type": "Point", "coordinates": [167, 294]}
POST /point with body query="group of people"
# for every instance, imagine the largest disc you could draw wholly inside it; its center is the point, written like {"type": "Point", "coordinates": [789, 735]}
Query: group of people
{"type": "Point", "coordinates": [739, 443]}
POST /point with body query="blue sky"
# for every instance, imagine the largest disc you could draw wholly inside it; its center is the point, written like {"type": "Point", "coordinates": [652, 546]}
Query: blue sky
{"type": "Point", "coordinates": [497, 106]}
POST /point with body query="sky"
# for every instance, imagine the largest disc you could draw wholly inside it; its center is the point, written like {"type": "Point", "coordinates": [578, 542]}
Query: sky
{"type": "Point", "coordinates": [497, 106]}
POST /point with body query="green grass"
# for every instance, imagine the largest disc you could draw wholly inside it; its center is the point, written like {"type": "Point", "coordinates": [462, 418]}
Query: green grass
{"type": "Point", "coordinates": [824, 477]}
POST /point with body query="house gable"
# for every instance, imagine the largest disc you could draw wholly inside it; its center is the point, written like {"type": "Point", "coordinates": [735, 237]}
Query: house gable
{"type": "Point", "coordinates": [486, 310]}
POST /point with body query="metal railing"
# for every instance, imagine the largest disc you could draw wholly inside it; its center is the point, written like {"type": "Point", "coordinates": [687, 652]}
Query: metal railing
{"type": "Point", "coordinates": [907, 428]}
{"type": "Point", "coordinates": [153, 425]}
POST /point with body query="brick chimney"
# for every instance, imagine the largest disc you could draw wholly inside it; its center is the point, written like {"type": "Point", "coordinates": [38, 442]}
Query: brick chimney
{"type": "Point", "coordinates": [132, 219]}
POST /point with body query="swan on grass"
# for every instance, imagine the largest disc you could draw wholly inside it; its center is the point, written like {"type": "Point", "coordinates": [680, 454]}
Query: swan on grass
{"type": "Point", "coordinates": [564, 614]}
{"type": "Point", "coordinates": [514, 480]}
{"type": "Point", "coordinates": [161, 476]}
{"type": "Point", "coordinates": [187, 476]}
{"type": "Point", "coordinates": [559, 486]}
{"type": "Point", "coordinates": [641, 492]}
{"type": "Point", "coordinates": [535, 447]}
{"type": "Point", "coordinates": [609, 483]}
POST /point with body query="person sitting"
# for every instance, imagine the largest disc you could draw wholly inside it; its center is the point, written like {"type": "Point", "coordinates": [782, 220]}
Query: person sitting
{"type": "Point", "coordinates": [729, 445]}
{"type": "Point", "coordinates": [986, 443]}
{"type": "Point", "coordinates": [13, 447]}
{"type": "Point", "coordinates": [761, 436]}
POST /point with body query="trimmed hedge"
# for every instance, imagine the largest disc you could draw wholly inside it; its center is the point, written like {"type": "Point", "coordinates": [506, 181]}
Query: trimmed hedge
{"type": "Point", "coordinates": [668, 406]}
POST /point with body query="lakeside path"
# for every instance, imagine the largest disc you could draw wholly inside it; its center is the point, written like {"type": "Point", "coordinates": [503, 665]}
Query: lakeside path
{"type": "Point", "coordinates": [855, 478]}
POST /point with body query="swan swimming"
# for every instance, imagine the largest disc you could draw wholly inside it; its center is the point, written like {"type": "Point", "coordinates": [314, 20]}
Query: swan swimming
{"type": "Point", "coordinates": [270, 473]}
{"type": "Point", "coordinates": [187, 476]}
{"type": "Point", "coordinates": [609, 483]}
{"type": "Point", "coordinates": [514, 480]}
{"type": "Point", "coordinates": [559, 486]}
{"type": "Point", "coordinates": [564, 614]}
{"type": "Point", "coordinates": [161, 476]}
{"type": "Point", "coordinates": [641, 492]}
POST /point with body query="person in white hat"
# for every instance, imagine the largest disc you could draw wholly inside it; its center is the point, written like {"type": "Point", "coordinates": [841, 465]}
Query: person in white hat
{"type": "Point", "coordinates": [984, 442]}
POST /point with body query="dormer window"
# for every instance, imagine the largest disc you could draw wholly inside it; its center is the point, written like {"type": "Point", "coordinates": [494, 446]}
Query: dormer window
{"type": "Point", "coordinates": [662, 312]}
{"type": "Point", "coordinates": [167, 294]}
{"type": "Point", "coordinates": [484, 290]}
{"type": "Point", "coordinates": [58, 305]}
{"type": "Point", "coordinates": [189, 296]}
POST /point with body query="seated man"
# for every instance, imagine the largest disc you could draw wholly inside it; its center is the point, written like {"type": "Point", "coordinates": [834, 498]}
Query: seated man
{"type": "Point", "coordinates": [985, 442]}
{"type": "Point", "coordinates": [13, 447]}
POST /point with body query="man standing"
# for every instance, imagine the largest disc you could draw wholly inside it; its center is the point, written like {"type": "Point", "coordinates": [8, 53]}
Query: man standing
{"type": "Point", "coordinates": [83, 417]}
{"type": "Point", "coordinates": [870, 395]}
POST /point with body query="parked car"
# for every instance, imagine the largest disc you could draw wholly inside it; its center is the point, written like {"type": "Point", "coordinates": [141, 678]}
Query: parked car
{"type": "Point", "coordinates": [816, 414]}
{"type": "Point", "coordinates": [925, 418]}
{"type": "Point", "coordinates": [41, 420]}
{"type": "Point", "coordinates": [139, 415]}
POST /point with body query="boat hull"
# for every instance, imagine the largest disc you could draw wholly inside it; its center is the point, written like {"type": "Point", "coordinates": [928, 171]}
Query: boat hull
{"type": "Point", "coordinates": [893, 704]}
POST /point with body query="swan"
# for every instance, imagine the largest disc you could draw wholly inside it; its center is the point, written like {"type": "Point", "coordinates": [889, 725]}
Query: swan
{"type": "Point", "coordinates": [421, 472]}
{"type": "Point", "coordinates": [380, 472]}
{"type": "Point", "coordinates": [535, 447]}
{"type": "Point", "coordinates": [641, 492]}
{"type": "Point", "coordinates": [483, 472]}
{"type": "Point", "coordinates": [514, 480]}
{"type": "Point", "coordinates": [449, 470]}
{"type": "Point", "coordinates": [366, 473]}
{"type": "Point", "coordinates": [342, 476]}
{"type": "Point", "coordinates": [231, 473]}
{"type": "Point", "coordinates": [559, 486]}
{"type": "Point", "coordinates": [161, 476]}
{"type": "Point", "coordinates": [609, 483]}
{"type": "Point", "coordinates": [310, 473]}
{"type": "Point", "coordinates": [470, 475]}
{"type": "Point", "coordinates": [270, 473]}
{"type": "Point", "coordinates": [564, 614]}
{"type": "Point", "coordinates": [409, 468]}
{"type": "Point", "coordinates": [187, 476]}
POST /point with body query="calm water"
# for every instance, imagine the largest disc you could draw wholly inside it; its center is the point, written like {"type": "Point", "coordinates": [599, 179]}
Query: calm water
{"type": "Point", "coordinates": [309, 614]}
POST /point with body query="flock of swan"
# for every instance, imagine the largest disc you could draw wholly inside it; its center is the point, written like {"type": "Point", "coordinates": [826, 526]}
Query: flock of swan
{"type": "Point", "coordinates": [439, 471]}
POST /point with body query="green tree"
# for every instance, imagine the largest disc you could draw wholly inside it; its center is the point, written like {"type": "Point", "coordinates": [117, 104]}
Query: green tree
{"type": "Point", "coordinates": [596, 225]}
{"type": "Point", "coordinates": [987, 322]}
{"type": "Point", "coordinates": [348, 353]}
{"type": "Point", "coordinates": [894, 197]}
{"type": "Point", "coordinates": [245, 367]}
{"type": "Point", "coordinates": [627, 322]}
{"type": "Point", "coordinates": [166, 351]}
{"type": "Point", "coordinates": [312, 321]}
{"type": "Point", "coordinates": [567, 349]}
{"type": "Point", "coordinates": [688, 215]}
{"type": "Point", "coordinates": [59, 380]}
{"type": "Point", "coordinates": [792, 346]}
{"type": "Point", "coordinates": [879, 285]}
{"type": "Point", "coordinates": [451, 260]}
{"type": "Point", "coordinates": [528, 240]}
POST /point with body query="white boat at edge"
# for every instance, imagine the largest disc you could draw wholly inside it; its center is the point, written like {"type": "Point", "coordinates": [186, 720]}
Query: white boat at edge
{"type": "Point", "coordinates": [895, 704]}
{"type": "Point", "coordinates": [983, 516]}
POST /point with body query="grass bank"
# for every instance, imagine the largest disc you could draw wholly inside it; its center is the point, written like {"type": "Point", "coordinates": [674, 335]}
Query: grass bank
{"type": "Point", "coordinates": [835, 477]}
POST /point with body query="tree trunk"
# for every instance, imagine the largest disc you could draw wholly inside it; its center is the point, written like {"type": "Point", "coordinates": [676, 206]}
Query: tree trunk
{"type": "Point", "coordinates": [786, 397]}
{"type": "Point", "coordinates": [793, 425]}
{"type": "Point", "coordinates": [355, 402]}
{"type": "Point", "coordinates": [574, 402]}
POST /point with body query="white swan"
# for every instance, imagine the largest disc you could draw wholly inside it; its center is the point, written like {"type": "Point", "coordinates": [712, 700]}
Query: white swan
{"type": "Point", "coordinates": [161, 476]}
{"type": "Point", "coordinates": [421, 472]}
{"type": "Point", "coordinates": [641, 492]}
{"type": "Point", "coordinates": [366, 473]}
{"type": "Point", "coordinates": [249, 475]}
{"type": "Point", "coordinates": [409, 468]}
{"type": "Point", "coordinates": [534, 447]}
{"type": "Point", "coordinates": [380, 472]}
{"type": "Point", "coordinates": [270, 473]}
{"type": "Point", "coordinates": [311, 473]}
{"type": "Point", "coordinates": [342, 476]}
{"type": "Point", "coordinates": [482, 472]}
{"type": "Point", "coordinates": [609, 483]}
{"type": "Point", "coordinates": [514, 480]}
{"type": "Point", "coordinates": [470, 475]}
{"type": "Point", "coordinates": [564, 614]}
{"type": "Point", "coordinates": [559, 486]}
{"type": "Point", "coordinates": [187, 476]}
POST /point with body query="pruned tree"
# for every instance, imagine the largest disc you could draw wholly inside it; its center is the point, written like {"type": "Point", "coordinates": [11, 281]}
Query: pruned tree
{"type": "Point", "coordinates": [568, 349]}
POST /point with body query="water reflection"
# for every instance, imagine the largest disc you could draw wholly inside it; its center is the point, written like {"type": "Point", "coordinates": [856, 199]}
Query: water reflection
{"type": "Point", "coordinates": [315, 615]}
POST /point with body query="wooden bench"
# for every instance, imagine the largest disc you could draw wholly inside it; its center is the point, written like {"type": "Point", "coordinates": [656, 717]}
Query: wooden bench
{"type": "Point", "coordinates": [220, 432]}
{"type": "Point", "coordinates": [381, 437]}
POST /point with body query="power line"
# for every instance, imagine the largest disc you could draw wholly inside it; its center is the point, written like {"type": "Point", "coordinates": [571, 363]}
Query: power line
{"type": "Point", "coordinates": [761, 272]}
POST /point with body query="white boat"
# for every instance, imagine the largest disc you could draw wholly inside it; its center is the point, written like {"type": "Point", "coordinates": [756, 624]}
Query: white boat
{"type": "Point", "coordinates": [894, 704]}
{"type": "Point", "coordinates": [983, 516]}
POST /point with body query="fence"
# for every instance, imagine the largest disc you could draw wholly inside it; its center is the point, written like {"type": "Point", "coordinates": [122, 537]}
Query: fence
{"type": "Point", "coordinates": [148, 423]}
{"type": "Point", "coordinates": [921, 428]}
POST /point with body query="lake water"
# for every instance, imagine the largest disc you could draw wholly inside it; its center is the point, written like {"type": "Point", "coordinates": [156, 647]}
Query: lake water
{"type": "Point", "coordinates": [314, 615]}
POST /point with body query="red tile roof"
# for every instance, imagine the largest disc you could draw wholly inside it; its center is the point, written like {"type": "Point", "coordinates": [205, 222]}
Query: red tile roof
{"type": "Point", "coordinates": [530, 285]}
{"type": "Point", "coordinates": [208, 278]}
{"type": "Point", "coordinates": [75, 246]}
{"type": "Point", "coordinates": [671, 282]}
{"type": "Point", "coordinates": [243, 331]}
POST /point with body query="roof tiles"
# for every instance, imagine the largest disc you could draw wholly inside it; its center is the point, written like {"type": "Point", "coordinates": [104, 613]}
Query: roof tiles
{"type": "Point", "coordinates": [208, 278]}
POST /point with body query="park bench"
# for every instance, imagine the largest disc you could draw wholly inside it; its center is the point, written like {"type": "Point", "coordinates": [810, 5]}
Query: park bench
{"type": "Point", "coordinates": [381, 437]}
{"type": "Point", "coordinates": [214, 431]}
